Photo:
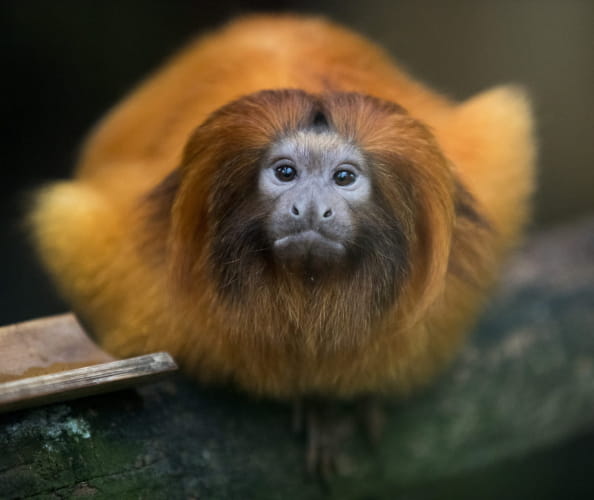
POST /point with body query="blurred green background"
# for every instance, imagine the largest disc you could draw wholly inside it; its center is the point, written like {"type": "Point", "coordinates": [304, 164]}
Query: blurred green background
{"type": "Point", "coordinates": [66, 62]}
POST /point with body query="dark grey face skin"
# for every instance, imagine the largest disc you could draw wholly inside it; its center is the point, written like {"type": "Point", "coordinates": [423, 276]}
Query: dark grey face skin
{"type": "Point", "coordinates": [314, 181]}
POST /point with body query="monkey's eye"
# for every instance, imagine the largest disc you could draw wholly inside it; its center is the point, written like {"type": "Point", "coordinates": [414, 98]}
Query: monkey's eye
{"type": "Point", "coordinates": [344, 177]}
{"type": "Point", "coordinates": [285, 173]}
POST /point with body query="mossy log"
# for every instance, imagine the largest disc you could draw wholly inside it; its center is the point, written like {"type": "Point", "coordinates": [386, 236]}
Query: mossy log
{"type": "Point", "coordinates": [525, 382]}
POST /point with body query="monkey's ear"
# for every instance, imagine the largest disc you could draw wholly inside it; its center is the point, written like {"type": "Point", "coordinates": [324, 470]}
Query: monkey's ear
{"type": "Point", "coordinates": [160, 199]}
{"type": "Point", "coordinates": [174, 219]}
{"type": "Point", "coordinates": [187, 239]}
{"type": "Point", "coordinates": [434, 200]}
{"type": "Point", "coordinates": [473, 252]}
{"type": "Point", "coordinates": [155, 210]}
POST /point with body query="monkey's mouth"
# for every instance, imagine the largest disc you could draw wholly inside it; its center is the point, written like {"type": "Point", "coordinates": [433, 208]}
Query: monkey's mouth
{"type": "Point", "coordinates": [308, 244]}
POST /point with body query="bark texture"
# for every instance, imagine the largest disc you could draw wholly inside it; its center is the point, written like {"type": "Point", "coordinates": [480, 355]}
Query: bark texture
{"type": "Point", "coordinates": [524, 382]}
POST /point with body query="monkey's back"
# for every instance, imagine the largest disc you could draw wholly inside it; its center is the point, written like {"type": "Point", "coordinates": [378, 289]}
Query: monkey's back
{"type": "Point", "coordinates": [146, 132]}
{"type": "Point", "coordinates": [84, 229]}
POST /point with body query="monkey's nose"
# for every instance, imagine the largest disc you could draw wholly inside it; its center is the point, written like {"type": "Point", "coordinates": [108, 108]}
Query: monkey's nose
{"type": "Point", "coordinates": [313, 213]}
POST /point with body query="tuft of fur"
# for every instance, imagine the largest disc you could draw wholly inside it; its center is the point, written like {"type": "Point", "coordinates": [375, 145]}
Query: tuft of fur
{"type": "Point", "coordinates": [158, 241]}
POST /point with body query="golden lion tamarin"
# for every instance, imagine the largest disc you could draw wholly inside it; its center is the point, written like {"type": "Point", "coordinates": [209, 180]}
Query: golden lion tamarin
{"type": "Point", "coordinates": [284, 208]}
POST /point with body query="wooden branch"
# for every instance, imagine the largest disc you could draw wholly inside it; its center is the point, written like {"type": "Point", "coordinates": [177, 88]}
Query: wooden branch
{"type": "Point", "coordinates": [524, 383]}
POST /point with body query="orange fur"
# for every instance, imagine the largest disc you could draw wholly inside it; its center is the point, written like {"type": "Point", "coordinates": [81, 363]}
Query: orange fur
{"type": "Point", "coordinates": [128, 240]}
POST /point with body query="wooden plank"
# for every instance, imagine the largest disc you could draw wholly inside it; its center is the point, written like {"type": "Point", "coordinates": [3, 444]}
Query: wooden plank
{"type": "Point", "coordinates": [85, 381]}
{"type": "Point", "coordinates": [46, 345]}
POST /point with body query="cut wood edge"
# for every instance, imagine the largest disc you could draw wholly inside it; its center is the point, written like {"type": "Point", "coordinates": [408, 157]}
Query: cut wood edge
{"type": "Point", "coordinates": [86, 381]}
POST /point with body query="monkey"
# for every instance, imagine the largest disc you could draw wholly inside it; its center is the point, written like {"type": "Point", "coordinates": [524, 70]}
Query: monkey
{"type": "Point", "coordinates": [285, 209]}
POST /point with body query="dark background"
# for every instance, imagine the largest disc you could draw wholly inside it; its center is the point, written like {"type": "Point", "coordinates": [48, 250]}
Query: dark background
{"type": "Point", "coordinates": [64, 63]}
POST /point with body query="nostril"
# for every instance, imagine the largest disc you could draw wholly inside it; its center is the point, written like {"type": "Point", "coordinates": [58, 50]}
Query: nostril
{"type": "Point", "coordinates": [327, 213]}
{"type": "Point", "coordinates": [295, 210]}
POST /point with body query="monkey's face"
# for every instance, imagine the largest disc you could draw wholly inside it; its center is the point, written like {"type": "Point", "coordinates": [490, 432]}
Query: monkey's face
{"type": "Point", "coordinates": [313, 181]}
{"type": "Point", "coordinates": [344, 191]}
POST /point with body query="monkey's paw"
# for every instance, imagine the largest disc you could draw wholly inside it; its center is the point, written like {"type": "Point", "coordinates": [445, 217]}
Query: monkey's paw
{"type": "Point", "coordinates": [328, 426]}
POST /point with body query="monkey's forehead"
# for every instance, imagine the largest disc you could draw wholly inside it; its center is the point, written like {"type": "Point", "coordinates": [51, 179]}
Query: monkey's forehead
{"type": "Point", "coordinates": [317, 148]}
